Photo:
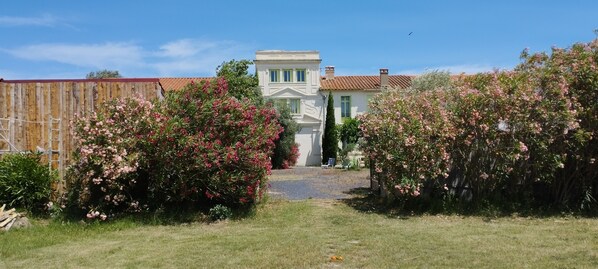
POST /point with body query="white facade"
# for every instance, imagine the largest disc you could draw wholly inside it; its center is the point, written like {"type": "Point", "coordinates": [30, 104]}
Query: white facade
{"type": "Point", "coordinates": [294, 77]}
{"type": "Point", "coordinates": [358, 103]}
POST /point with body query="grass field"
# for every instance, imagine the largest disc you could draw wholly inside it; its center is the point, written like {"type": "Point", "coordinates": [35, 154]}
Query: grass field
{"type": "Point", "coordinates": [306, 234]}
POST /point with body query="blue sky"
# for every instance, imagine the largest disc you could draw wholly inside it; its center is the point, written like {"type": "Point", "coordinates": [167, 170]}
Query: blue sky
{"type": "Point", "coordinates": [68, 39]}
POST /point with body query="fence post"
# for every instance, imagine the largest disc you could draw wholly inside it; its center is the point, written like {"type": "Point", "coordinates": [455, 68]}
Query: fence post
{"type": "Point", "coordinates": [49, 149]}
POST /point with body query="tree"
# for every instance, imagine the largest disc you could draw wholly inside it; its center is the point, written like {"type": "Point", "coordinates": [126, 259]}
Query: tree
{"type": "Point", "coordinates": [286, 151]}
{"type": "Point", "coordinates": [435, 80]}
{"type": "Point", "coordinates": [330, 138]}
{"type": "Point", "coordinates": [103, 74]}
{"type": "Point", "coordinates": [240, 82]}
{"type": "Point", "coordinates": [349, 131]}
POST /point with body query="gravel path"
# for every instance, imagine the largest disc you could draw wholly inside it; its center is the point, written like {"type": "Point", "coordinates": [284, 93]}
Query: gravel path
{"type": "Point", "coordinates": [301, 183]}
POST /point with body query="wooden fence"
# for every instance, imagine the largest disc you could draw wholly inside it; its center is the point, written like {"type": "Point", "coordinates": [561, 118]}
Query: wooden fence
{"type": "Point", "coordinates": [36, 115]}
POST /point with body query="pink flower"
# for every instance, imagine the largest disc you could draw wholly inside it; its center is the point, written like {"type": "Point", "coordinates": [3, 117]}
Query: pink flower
{"type": "Point", "coordinates": [522, 147]}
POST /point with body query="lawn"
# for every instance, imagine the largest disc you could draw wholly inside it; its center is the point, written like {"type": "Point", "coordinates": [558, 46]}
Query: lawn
{"type": "Point", "coordinates": [306, 234]}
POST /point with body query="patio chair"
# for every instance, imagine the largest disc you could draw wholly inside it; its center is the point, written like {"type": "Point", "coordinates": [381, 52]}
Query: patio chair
{"type": "Point", "coordinates": [330, 164]}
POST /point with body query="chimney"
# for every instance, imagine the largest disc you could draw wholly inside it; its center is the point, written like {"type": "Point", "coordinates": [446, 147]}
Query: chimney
{"type": "Point", "coordinates": [329, 72]}
{"type": "Point", "coordinates": [384, 78]}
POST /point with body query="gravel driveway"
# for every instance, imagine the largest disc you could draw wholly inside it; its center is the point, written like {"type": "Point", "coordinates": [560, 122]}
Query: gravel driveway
{"type": "Point", "coordinates": [301, 183]}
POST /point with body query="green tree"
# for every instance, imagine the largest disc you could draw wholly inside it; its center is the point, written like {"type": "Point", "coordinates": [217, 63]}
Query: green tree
{"type": "Point", "coordinates": [240, 82]}
{"type": "Point", "coordinates": [434, 80]}
{"type": "Point", "coordinates": [349, 131]}
{"type": "Point", "coordinates": [286, 150]}
{"type": "Point", "coordinates": [103, 74]}
{"type": "Point", "coordinates": [241, 85]}
{"type": "Point", "coordinates": [330, 138]}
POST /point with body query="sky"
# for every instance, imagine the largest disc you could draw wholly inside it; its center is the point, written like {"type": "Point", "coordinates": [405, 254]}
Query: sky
{"type": "Point", "coordinates": [70, 38]}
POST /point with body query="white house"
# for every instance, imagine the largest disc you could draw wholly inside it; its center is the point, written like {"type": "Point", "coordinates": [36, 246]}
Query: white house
{"type": "Point", "coordinates": [294, 77]}
{"type": "Point", "coordinates": [352, 93]}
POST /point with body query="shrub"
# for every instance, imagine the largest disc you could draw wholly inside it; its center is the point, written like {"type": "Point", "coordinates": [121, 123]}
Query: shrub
{"type": "Point", "coordinates": [524, 137]}
{"type": "Point", "coordinates": [198, 147]}
{"type": "Point", "coordinates": [211, 148]}
{"type": "Point", "coordinates": [349, 131]}
{"type": "Point", "coordinates": [25, 182]}
{"type": "Point", "coordinates": [408, 136]}
{"type": "Point", "coordinates": [509, 134]}
{"type": "Point", "coordinates": [220, 212]}
{"type": "Point", "coordinates": [111, 156]}
{"type": "Point", "coordinates": [286, 151]}
{"type": "Point", "coordinates": [572, 75]}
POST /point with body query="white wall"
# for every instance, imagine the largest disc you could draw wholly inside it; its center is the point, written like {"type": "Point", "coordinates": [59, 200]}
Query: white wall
{"type": "Point", "coordinates": [310, 118]}
{"type": "Point", "coordinates": [309, 139]}
{"type": "Point", "coordinates": [359, 103]}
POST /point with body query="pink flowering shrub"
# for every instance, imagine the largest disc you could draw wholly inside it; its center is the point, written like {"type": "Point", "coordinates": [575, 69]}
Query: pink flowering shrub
{"type": "Point", "coordinates": [212, 147]}
{"type": "Point", "coordinates": [509, 133]}
{"type": "Point", "coordinates": [526, 136]}
{"type": "Point", "coordinates": [573, 73]}
{"type": "Point", "coordinates": [199, 147]}
{"type": "Point", "coordinates": [108, 157]}
{"type": "Point", "coordinates": [408, 135]}
{"type": "Point", "coordinates": [292, 157]}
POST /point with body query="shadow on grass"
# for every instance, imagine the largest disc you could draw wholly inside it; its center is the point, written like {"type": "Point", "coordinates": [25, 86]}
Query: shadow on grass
{"type": "Point", "coordinates": [161, 216]}
{"type": "Point", "coordinates": [366, 201]}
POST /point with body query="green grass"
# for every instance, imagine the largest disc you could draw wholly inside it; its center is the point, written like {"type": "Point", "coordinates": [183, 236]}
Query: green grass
{"type": "Point", "coordinates": [305, 235]}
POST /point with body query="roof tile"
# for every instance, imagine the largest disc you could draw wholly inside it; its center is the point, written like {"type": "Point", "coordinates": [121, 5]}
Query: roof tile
{"type": "Point", "coordinates": [349, 83]}
{"type": "Point", "coordinates": [172, 84]}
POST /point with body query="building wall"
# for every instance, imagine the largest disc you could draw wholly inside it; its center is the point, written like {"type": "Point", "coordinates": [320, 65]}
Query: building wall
{"type": "Point", "coordinates": [310, 116]}
{"type": "Point", "coordinates": [359, 103]}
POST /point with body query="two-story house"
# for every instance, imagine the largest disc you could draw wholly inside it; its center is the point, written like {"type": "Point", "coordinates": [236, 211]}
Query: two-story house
{"type": "Point", "coordinates": [294, 77]}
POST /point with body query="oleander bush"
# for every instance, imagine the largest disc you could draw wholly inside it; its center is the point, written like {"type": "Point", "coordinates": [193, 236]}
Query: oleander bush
{"type": "Point", "coordinates": [25, 182]}
{"type": "Point", "coordinates": [109, 174]}
{"type": "Point", "coordinates": [518, 139]}
{"type": "Point", "coordinates": [199, 147]}
{"type": "Point", "coordinates": [409, 136]}
{"type": "Point", "coordinates": [211, 147]}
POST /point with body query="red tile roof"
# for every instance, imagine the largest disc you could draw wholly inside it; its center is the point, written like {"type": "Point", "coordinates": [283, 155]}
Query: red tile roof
{"type": "Point", "coordinates": [348, 83]}
{"type": "Point", "coordinates": [173, 84]}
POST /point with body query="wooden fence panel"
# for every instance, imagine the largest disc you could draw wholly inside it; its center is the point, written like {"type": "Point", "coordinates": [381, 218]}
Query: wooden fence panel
{"type": "Point", "coordinates": [37, 115]}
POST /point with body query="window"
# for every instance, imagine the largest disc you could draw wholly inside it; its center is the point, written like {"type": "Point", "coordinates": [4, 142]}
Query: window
{"type": "Point", "coordinates": [293, 104]}
{"type": "Point", "coordinates": [274, 75]}
{"type": "Point", "coordinates": [287, 75]}
{"type": "Point", "coordinates": [300, 75]}
{"type": "Point", "coordinates": [345, 106]}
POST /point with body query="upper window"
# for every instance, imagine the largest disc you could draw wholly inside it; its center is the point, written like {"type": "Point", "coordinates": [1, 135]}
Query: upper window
{"type": "Point", "coordinates": [300, 75]}
{"type": "Point", "coordinates": [287, 75]}
{"type": "Point", "coordinates": [274, 75]}
{"type": "Point", "coordinates": [345, 106]}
